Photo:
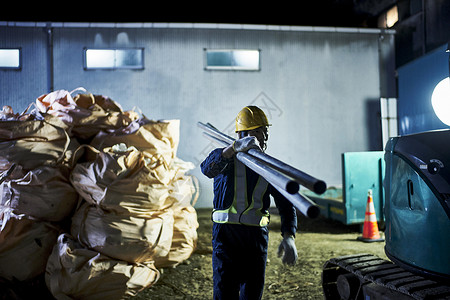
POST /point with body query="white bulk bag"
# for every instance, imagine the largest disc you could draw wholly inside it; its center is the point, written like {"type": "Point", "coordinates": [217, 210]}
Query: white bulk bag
{"type": "Point", "coordinates": [126, 182]}
{"type": "Point", "coordinates": [36, 142]}
{"type": "Point", "coordinates": [25, 246]}
{"type": "Point", "coordinates": [43, 193]}
{"type": "Point", "coordinates": [184, 240]}
{"type": "Point", "coordinates": [74, 272]}
{"type": "Point", "coordinates": [86, 114]}
{"type": "Point", "coordinates": [124, 237]}
{"type": "Point", "coordinates": [156, 138]}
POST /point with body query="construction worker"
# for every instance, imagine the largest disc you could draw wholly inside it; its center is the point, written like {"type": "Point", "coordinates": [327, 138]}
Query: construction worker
{"type": "Point", "coordinates": [240, 215]}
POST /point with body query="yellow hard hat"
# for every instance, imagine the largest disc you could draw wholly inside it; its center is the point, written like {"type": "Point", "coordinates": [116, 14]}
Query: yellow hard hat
{"type": "Point", "coordinates": [251, 117]}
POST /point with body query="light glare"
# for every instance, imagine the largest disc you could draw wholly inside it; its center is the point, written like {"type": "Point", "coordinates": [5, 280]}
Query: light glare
{"type": "Point", "coordinates": [440, 100]}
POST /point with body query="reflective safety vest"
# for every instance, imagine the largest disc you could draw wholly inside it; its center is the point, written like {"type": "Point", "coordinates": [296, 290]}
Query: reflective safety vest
{"type": "Point", "coordinates": [244, 210]}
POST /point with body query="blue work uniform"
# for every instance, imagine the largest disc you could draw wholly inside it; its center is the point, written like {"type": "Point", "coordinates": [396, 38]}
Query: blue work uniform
{"type": "Point", "coordinates": [240, 218]}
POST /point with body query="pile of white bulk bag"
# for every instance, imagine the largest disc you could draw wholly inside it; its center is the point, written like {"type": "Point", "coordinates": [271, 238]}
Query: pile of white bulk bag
{"type": "Point", "coordinates": [148, 200]}
{"type": "Point", "coordinates": [93, 197]}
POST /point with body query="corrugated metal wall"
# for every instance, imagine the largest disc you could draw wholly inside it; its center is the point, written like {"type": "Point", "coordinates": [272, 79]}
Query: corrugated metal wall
{"type": "Point", "coordinates": [320, 89]}
{"type": "Point", "coordinates": [20, 87]}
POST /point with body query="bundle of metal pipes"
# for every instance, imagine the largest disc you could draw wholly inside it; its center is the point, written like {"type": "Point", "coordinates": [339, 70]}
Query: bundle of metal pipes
{"type": "Point", "coordinates": [285, 178]}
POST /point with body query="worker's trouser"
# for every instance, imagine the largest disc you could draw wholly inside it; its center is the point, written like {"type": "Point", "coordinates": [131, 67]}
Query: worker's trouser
{"type": "Point", "coordinates": [239, 261]}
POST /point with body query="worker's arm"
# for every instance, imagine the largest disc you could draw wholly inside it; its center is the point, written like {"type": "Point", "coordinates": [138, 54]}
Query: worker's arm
{"type": "Point", "coordinates": [215, 163]}
{"type": "Point", "coordinates": [219, 158]}
{"type": "Point", "coordinates": [287, 249]}
{"type": "Point", "coordinates": [287, 212]}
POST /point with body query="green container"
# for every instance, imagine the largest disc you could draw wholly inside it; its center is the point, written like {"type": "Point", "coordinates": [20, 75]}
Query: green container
{"type": "Point", "coordinates": [361, 172]}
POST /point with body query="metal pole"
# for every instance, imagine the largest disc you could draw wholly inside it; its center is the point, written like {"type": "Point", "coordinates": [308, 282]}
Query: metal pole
{"type": "Point", "coordinates": [268, 173]}
{"type": "Point", "coordinates": [311, 183]}
{"type": "Point", "coordinates": [276, 178]}
{"type": "Point", "coordinates": [50, 66]}
{"type": "Point", "coordinates": [307, 207]}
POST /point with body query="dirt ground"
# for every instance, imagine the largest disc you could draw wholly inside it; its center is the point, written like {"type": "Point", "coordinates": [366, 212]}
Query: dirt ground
{"type": "Point", "coordinates": [317, 241]}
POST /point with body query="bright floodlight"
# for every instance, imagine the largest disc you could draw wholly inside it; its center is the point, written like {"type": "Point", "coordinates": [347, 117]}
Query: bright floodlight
{"type": "Point", "coordinates": [440, 100]}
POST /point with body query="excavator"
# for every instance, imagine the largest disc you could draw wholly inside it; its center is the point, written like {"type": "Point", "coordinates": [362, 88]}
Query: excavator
{"type": "Point", "coordinates": [417, 228]}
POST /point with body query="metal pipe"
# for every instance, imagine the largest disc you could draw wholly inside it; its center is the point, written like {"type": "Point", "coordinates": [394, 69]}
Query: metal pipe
{"type": "Point", "coordinates": [311, 183]}
{"type": "Point", "coordinates": [216, 140]}
{"type": "Point", "coordinates": [304, 205]}
{"type": "Point", "coordinates": [307, 207]}
{"type": "Point", "coordinates": [274, 177]}
{"type": "Point", "coordinates": [271, 175]}
{"type": "Point", "coordinates": [50, 62]}
{"type": "Point", "coordinates": [217, 132]}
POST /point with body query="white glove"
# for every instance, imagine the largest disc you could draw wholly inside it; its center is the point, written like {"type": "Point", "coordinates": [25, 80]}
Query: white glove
{"type": "Point", "coordinates": [245, 144]}
{"type": "Point", "coordinates": [288, 250]}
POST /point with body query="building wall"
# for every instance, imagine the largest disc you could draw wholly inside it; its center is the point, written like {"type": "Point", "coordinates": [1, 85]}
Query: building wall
{"type": "Point", "coordinates": [20, 87]}
{"type": "Point", "coordinates": [319, 88]}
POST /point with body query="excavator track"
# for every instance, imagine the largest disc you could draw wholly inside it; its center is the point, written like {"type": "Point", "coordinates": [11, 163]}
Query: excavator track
{"type": "Point", "coordinates": [365, 276]}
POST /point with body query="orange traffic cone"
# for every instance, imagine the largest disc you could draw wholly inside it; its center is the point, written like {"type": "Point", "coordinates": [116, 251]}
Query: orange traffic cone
{"type": "Point", "coordinates": [370, 229]}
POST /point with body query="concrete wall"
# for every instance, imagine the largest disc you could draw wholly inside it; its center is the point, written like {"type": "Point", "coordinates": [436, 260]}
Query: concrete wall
{"type": "Point", "coordinates": [319, 87]}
